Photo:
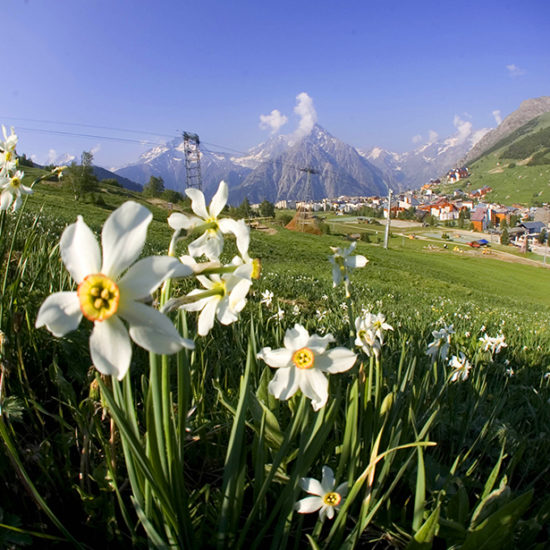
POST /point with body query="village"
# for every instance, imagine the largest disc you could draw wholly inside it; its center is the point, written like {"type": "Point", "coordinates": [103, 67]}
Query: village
{"type": "Point", "coordinates": [517, 225]}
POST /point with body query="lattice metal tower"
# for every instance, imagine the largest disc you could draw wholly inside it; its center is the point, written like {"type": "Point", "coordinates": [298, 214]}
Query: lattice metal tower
{"type": "Point", "coordinates": [191, 144]}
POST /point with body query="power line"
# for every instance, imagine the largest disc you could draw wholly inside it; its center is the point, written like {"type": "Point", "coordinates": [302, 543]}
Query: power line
{"type": "Point", "coordinates": [331, 168]}
{"type": "Point", "coordinates": [84, 125]}
{"type": "Point", "coordinates": [91, 136]}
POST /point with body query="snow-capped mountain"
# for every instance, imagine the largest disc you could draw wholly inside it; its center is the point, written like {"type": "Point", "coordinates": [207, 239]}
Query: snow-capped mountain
{"type": "Point", "coordinates": [430, 161]}
{"type": "Point", "coordinates": [311, 168]}
{"type": "Point", "coordinates": [272, 170]}
{"type": "Point", "coordinates": [168, 162]}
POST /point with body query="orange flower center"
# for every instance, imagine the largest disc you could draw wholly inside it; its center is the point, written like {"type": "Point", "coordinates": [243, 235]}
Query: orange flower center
{"type": "Point", "coordinates": [332, 499]}
{"type": "Point", "coordinates": [303, 358]}
{"type": "Point", "coordinates": [99, 297]}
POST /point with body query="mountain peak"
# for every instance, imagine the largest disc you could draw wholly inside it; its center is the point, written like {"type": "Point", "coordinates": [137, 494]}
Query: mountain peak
{"type": "Point", "coordinates": [528, 110]}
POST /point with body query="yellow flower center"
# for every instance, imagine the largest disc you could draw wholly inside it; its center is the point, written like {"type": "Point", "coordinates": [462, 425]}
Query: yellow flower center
{"type": "Point", "coordinates": [332, 499]}
{"type": "Point", "coordinates": [256, 268]}
{"type": "Point", "coordinates": [303, 358]}
{"type": "Point", "coordinates": [99, 297]}
{"type": "Point", "coordinates": [15, 182]}
{"type": "Point", "coordinates": [9, 156]}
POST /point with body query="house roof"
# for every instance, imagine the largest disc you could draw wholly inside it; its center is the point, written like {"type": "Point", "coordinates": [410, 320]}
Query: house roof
{"type": "Point", "coordinates": [535, 227]}
{"type": "Point", "coordinates": [478, 215]}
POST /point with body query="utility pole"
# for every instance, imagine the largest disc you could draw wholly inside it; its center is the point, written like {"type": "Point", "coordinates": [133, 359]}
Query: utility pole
{"type": "Point", "coordinates": [387, 234]}
{"type": "Point", "coordinates": [309, 171]}
{"type": "Point", "coordinates": [191, 147]}
{"type": "Point", "coordinates": [302, 216]}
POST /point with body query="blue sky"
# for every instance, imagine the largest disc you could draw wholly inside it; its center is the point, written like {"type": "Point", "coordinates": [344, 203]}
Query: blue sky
{"type": "Point", "coordinates": [375, 73]}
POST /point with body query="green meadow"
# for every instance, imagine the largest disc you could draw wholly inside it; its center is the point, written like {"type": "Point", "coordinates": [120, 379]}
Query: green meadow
{"type": "Point", "coordinates": [193, 450]}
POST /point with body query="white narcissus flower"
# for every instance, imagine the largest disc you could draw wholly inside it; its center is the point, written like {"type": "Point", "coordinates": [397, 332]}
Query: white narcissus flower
{"type": "Point", "coordinates": [342, 262]}
{"type": "Point", "coordinates": [8, 159]}
{"type": "Point", "coordinates": [326, 498]}
{"type": "Point", "coordinates": [210, 243]}
{"type": "Point", "coordinates": [111, 288]}
{"type": "Point", "coordinates": [224, 298]}
{"type": "Point", "coordinates": [12, 188]}
{"type": "Point", "coordinates": [441, 343]}
{"type": "Point", "coordinates": [267, 298]}
{"type": "Point", "coordinates": [302, 364]}
{"type": "Point", "coordinates": [462, 367]}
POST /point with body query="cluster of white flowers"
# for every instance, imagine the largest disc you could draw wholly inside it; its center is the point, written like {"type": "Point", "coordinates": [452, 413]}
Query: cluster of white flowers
{"type": "Point", "coordinates": [113, 286]}
{"type": "Point", "coordinates": [439, 347]}
{"type": "Point", "coordinates": [369, 330]}
{"type": "Point", "coordinates": [225, 287]}
{"type": "Point", "coordinates": [493, 345]}
{"type": "Point", "coordinates": [11, 179]}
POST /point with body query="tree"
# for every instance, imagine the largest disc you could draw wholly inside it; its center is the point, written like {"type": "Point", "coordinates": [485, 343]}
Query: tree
{"type": "Point", "coordinates": [172, 196]}
{"type": "Point", "coordinates": [87, 182]}
{"type": "Point", "coordinates": [504, 236]}
{"type": "Point", "coordinates": [267, 209]}
{"type": "Point", "coordinates": [154, 187]}
{"type": "Point", "coordinates": [244, 210]}
{"type": "Point", "coordinates": [543, 235]}
{"type": "Point", "coordinates": [81, 177]}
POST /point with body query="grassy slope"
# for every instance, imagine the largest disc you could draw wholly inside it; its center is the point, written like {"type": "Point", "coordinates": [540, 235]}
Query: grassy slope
{"type": "Point", "coordinates": [407, 268]}
{"type": "Point", "coordinates": [520, 184]}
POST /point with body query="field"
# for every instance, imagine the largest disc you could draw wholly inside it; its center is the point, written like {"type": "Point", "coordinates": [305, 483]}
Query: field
{"type": "Point", "coordinates": [439, 430]}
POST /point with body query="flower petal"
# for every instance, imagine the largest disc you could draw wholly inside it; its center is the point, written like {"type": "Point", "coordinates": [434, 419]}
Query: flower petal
{"type": "Point", "coordinates": [219, 200]}
{"type": "Point", "coordinates": [327, 481]}
{"type": "Point", "coordinates": [276, 358]}
{"type": "Point", "coordinates": [152, 330]}
{"type": "Point", "coordinates": [181, 221]}
{"type": "Point", "coordinates": [5, 200]}
{"type": "Point", "coordinates": [318, 344]}
{"type": "Point", "coordinates": [60, 313]}
{"type": "Point", "coordinates": [356, 261]}
{"type": "Point", "coordinates": [308, 505]}
{"type": "Point", "coordinates": [198, 205]}
{"type": "Point", "coordinates": [123, 237]}
{"type": "Point", "coordinates": [207, 315]}
{"type": "Point", "coordinates": [242, 233]}
{"type": "Point", "coordinates": [314, 385]}
{"type": "Point", "coordinates": [79, 250]}
{"type": "Point", "coordinates": [210, 243]}
{"type": "Point", "coordinates": [335, 360]}
{"type": "Point", "coordinates": [284, 384]}
{"type": "Point", "coordinates": [110, 347]}
{"type": "Point", "coordinates": [147, 274]}
{"type": "Point", "coordinates": [296, 338]}
{"type": "Point", "coordinates": [312, 486]}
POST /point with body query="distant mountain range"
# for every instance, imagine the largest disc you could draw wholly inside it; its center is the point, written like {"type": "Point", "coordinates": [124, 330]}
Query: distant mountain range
{"type": "Point", "coordinates": [434, 159]}
{"type": "Point", "coordinates": [319, 165]}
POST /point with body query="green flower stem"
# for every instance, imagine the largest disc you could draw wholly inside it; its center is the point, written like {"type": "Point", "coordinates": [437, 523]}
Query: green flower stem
{"type": "Point", "coordinates": [289, 436]}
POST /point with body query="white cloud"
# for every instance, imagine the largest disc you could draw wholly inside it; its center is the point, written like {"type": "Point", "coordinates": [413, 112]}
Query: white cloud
{"type": "Point", "coordinates": [514, 70]}
{"type": "Point", "coordinates": [464, 129]}
{"type": "Point", "coordinates": [432, 136]}
{"type": "Point", "coordinates": [273, 121]}
{"type": "Point", "coordinates": [308, 116]}
{"type": "Point", "coordinates": [498, 118]}
{"type": "Point", "coordinates": [95, 149]}
{"type": "Point", "coordinates": [417, 138]}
